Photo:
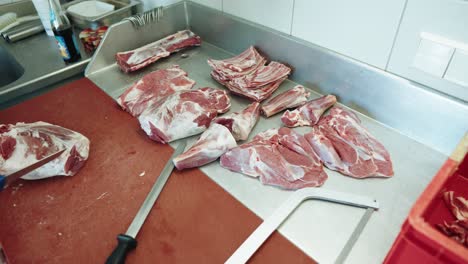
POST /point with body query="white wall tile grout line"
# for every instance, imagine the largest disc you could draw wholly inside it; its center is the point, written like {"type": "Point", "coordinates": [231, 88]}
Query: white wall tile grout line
{"type": "Point", "coordinates": [448, 64]}
{"type": "Point", "coordinates": [292, 18]}
{"type": "Point", "coordinates": [396, 35]}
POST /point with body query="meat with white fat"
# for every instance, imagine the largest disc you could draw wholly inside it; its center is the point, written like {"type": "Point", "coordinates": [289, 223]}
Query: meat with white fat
{"type": "Point", "coordinates": [309, 113]}
{"type": "Point", "coordinates": [136, 59]}
{"type": "Point", "coordinates": [23, 144]}
{"type": "Point", "coordinates": [152, 87]}
{"type": "Point", "coordinates": [458, 228]}
{"type": "Point", "coordinates": [295, 97]}
{"type": "Point", "coordinates": [279, 157]}
{"type": "Point", "coordinates": [344, 145]}
{"type": "Point", "coordinates": [237, 66]}
{"type": "Point", "coordinates": [213, 143]}
{"type": "Point", "coordinates": [246, 75]}
{"type": "Point", "coordinates": [241, 123]}
{"type": "Point", "coordinates": [183, 114]}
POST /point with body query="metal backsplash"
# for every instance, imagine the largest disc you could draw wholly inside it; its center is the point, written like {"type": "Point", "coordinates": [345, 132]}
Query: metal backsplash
{"type": "Point", "coordinates": [414, 110]}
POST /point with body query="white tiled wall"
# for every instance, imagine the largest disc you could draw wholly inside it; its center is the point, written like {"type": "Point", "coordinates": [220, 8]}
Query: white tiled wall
{"type": "Point", "coordinates": [274, 14]}
{"type": "Point", "coordinates": [362, 29]}
{"type": "Point", "coordinates": [218, 4]}
{"type": "Point", "coordinates": [445, 18]}
{"type": "Point", "coordinates": [383, 33]}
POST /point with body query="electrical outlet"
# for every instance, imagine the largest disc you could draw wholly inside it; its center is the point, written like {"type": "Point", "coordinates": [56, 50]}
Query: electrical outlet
{"type": "Point", "coordinates": [432, 57]}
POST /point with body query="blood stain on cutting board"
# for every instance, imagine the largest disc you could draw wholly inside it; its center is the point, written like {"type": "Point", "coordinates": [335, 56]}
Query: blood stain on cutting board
{"type": "Point", "coordinates": [76, 219]}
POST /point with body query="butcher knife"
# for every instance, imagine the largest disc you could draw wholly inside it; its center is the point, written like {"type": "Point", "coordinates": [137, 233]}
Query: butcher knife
{"type": "Point", "coordinates": [7, 180]}
{"type": "Point", "coordinates": [127, 241]}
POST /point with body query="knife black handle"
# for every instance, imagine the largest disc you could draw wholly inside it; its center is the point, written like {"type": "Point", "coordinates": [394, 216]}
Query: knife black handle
{"type": "Point", "coordinates": [126, 244]}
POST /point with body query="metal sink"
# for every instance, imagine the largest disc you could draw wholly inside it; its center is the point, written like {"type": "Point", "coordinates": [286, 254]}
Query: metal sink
{"type": "Point", "coordinates": [10, 69]}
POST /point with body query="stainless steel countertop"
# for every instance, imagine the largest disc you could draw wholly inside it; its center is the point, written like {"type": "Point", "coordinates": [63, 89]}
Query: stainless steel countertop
{"type": "Point", "coordinates": [42, 63]}
{"type": "Point", "coordinates": [320, 229]}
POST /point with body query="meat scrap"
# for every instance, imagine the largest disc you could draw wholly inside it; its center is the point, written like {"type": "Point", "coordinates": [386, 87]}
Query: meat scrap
{"type": "Point", "coordinates": [26, 143]}
{"type": "Point", "coordinates": [457, 229]}
{"type": "Point", "coordinates": [241, 123]}
{"type": "Point", "coordinates": [279, 157]}
{"type": "Point", "coordinates": [344, 145]}
{"type": "Point", "coordinates": [152, 87]}
{"type": "Point", "coordinates": [295, 97]}
{"type": "Point", "coordinates": [247, 75]}
{"type": "Point", "coordinates": [183, 114]}
{"type": "Point", "coordinates": [136, 59]}
{"type": "Point", "coordinates": [213, 143]}
{"type": "Point", "coordinates": [308, 114]}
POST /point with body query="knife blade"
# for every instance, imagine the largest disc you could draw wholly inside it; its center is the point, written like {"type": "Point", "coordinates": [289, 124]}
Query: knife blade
{"type": "Point", "coordinates": [127, 241]}
{"type": "Point", "coordinates": [7, 180]}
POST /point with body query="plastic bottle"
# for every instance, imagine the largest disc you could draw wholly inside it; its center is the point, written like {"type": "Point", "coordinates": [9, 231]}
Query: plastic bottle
{"type": "Point", "coordinates": [63, 33]}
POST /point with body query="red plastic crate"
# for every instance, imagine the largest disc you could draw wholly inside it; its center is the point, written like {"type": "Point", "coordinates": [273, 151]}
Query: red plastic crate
{"type": "Point", "coordinates": [419, 240]}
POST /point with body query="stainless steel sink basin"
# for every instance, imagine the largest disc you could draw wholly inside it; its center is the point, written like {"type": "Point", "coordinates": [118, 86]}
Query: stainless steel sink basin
{"type": "Point", "coordinates": [10, 69]}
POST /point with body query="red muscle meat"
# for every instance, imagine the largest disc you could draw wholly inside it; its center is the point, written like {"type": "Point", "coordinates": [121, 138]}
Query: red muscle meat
{"type": "Point", "coordinates": [183, 114]}
{"type": "Point", "coordinates": [246, 74]}
{"type": "Point", "coordinates": [237, 66]}
{"type": "Point", "coordinates": [308, 114]}
{"type": "Point", "coordinates": [457, 229]}
{"type": "Point", "coordinates": [241, 123]}
{"type": "Point", "coordinates": [279, 157]}
{"type": "Point", "coordinates": [133, 60]}
{"type": "Point", "coordinates": [23, 144]}
{"type": "Point", "coordinates": [213, 143]}
{"type": "Point", "coordinates": [152, 87]}
{"type": "Point", "coordinates": [295, 97]}
{"type": "Point", "coordinates": [344, 145]}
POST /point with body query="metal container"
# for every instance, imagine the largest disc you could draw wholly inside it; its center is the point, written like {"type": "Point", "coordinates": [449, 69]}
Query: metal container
{"type": "Point", "coordinates": [123, 9]}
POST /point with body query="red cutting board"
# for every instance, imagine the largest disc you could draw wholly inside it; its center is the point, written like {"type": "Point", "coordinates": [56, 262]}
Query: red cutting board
{"type": "Point", "coordinates": [76, 219]}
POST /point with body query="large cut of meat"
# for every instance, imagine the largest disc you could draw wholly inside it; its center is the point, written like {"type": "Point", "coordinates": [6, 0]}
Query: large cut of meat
{"type": "Point", "coordinates": [213, 143]}
{"type": "Point", "coordinates": [183, 114]}
{"type": "Point", "coordinates": [152, 87]}
{"type": "Point", "coordinates": [237, 66]}
{"type": "Point", "coordinates": [241, 123]}
{"type": "Point", "coordinates": [279, 157]}
{"type": "Point", "coordinates": [344, 145]}
{"type": "Point", "coordinates": [248, 76]}
{"type": "Point", "coordinates": [261, 76]}
{"type": "Point", "coordinates": [457, 229]}
{"type": "Point", "coordinates": [295, 97]}
{"type": "Point", "coordinates": [136, 59]}
{"type": "Point", "coordinates": [308, 114]}
{"type": "Point", "coordinates": [24, 144]}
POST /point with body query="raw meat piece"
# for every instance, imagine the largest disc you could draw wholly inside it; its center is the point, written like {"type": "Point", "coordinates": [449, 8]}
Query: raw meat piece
{"type": "Point", "coordinates": [458, 229]}
{"type": "Point", "coordinates": [246, 74]}
{"type": "Point", "coordinates": [213, 143]}
{"type": "Point", "coordinates": [344, 145]}
{"type": "Point", "coordinates": [295, 97]}
{"type": "Point", "coordinates": [240, 124]}
{"type": "Point", "coordinates": [259, 94]}
{"type": "Point", "coordinates": [262, 76]}
{"type": "Point", "coordinates": [133, 60]}
{"type": "Point", "coordinates": [458, 205]}
{"type": "Point", "coordinates": [279, 157]}
{"type": "Point", "coordinates": [24, 144]}
{"type": "Point", "coordinates": [152, 87]}
{"type": "Point", "coordinates": [261, 83]}
{"type": "Point", "coordinates": [324, 149]}
{"type": "Point", "coordinates": [183, 114]}
{"type": "Point", "coordinates": [237, 66]}
{"type": "Point", "coordinates": [308, 114]}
